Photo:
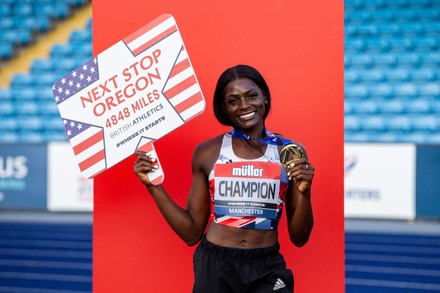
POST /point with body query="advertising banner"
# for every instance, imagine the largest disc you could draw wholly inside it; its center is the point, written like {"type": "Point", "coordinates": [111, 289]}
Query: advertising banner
{"type": "Point", "coordinates": [23, 176]}
{"type": "Point", "coordinates": [128, 96]}
{"type": "Point", "coordinates": [67, 190]}
{"type": "Point", "coordinates": [380, 181]}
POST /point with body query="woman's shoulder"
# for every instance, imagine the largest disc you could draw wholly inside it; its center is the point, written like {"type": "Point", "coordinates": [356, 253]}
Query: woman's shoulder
{"type": "Point", "coordinates": [210, 146]}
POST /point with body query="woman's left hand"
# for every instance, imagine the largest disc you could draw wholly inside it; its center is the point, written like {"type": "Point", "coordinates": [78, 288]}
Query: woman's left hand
{"type": "Point", "coordinates": [302, 175]}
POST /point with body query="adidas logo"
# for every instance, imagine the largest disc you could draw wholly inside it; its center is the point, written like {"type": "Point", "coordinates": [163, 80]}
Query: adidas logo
{"type": "Point", "coordinates": [279, 284]}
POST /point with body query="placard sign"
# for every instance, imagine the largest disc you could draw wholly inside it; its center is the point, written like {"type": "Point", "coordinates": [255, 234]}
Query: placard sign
{"type": "Point", "coordinates": [130, 95]}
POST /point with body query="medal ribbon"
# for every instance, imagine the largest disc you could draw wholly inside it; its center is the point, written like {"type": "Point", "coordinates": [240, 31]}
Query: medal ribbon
{"type": "Point", "coordinates": [269, 139]}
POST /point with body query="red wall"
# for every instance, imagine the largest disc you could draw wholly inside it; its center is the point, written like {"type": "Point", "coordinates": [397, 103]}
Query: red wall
{"type": "Point", "coordinates": [298, 47]}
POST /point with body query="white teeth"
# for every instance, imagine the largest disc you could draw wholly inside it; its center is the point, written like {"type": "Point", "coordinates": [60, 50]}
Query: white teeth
{"type": "Point", "coordinates": [247, 115]}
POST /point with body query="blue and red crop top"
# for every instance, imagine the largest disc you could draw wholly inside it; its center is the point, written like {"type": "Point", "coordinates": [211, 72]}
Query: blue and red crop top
{"type": "Point", "coordinates": [247, 193]}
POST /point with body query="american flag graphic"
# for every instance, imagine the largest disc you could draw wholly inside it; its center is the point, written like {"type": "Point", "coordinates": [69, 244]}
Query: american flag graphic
{"type": "Point", "coordinates": [86, 140]}
{"type": "Point", "coordinates": [90, 140]}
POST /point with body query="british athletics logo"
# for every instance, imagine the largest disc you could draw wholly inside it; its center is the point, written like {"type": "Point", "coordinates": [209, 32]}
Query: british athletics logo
{"type": "Point", "coordinates": [128, 96]}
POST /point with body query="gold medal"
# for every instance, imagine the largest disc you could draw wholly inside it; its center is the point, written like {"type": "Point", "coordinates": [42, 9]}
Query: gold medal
{"type": "Point", "coordinates": [290, 154]}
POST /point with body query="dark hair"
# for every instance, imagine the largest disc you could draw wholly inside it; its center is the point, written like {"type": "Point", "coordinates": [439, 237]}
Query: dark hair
{"type": "Point", "coordinates": [231, 74]}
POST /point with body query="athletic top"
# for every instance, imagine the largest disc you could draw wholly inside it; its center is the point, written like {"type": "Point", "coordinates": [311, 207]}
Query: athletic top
{"type": "Point", "coordinates": [247, 193]}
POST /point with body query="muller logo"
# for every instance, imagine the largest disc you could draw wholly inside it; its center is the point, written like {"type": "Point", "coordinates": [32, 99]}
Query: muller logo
{"type": "Point", "coordinates": [248, 170]}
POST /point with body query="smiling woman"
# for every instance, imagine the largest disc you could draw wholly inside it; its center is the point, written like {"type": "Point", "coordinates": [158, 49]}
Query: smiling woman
{"type": "Point", "coordinates": [238, 193]}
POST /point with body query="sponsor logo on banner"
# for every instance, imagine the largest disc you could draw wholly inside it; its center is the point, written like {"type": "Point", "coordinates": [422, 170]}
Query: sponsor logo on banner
{"type": "Point", "coordinates": [23, 176]}
{"type": "Point", "coordinates": [379, 181]}
{"type": "Point", "coordinates": [133, 93]}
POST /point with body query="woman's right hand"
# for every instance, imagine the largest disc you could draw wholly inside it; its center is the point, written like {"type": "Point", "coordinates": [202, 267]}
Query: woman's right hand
{"type": "Point", "coordinates": [143, 165]}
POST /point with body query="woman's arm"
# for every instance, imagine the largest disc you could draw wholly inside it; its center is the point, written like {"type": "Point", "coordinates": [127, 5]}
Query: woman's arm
{"type": "Point", "coordinates": [189, 223]}
{"type": "Point", "coordinates": [298, 201]}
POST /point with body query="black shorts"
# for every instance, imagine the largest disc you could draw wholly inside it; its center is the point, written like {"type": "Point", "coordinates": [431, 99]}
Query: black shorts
{"type": "Point", "coordinates": [224, 270]}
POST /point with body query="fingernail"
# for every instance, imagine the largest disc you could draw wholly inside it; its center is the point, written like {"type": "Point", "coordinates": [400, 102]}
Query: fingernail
{"type": "Point", "coordinates": [288, 173]}
{"type": "Point", "coordinates": [156, 167]}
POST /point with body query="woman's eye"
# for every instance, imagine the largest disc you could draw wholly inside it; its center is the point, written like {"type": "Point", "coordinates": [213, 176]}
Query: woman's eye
{"type": "Point", "coordinates": [232, 102]}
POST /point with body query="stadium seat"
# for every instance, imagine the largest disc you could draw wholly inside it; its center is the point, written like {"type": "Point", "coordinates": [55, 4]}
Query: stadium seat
{"type": "Point", "coordinates": [31, 137]}
{"type": "Point", "coordinates": [419, 106]}
{"type": "Point", "coordinates": [8, 137]}
{"type": "Point", "coordinates": [8, 123]}
{"type": "Point", "coordinates": [26, 108]}
{"type": "Point", "coordinates": [373, 123]}
{"type": "Point", "coordinates": [358, 91]}
{"type": "Point", "coordinates": [427, 123]}
{"type": "Point", "coordinates": [5, 95]}
{"type": "Point", "coordinates": [7, 108]}
{"type": "Point", "coordinates": [392, 107]}
{"type": "Point", "coordinates": [399, 123]}
{"type": "Point", "coordinates": [398, 74]}
{"type": "Point", "coordinates": [430, 90]}
{"type": "Point", "coordinates": [366, 107]}
{"type": "Point", "coordinates": [22, 80]}
{"type": "Point", "coordinates": [381, 91]}
{"type": "Point", "coordinates": [352, 123]}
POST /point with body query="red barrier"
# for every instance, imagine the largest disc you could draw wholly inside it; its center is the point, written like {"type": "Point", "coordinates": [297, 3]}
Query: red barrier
{"type": "Point", "coordinates": [298, 47]}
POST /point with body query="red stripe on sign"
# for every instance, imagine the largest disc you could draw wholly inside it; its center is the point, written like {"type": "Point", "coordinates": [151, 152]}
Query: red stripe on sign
{"type": "Point", "coordinates": [188, 103]}
{"type": "Point", "coordinates": [154, 40]}
{"type": "Point", "coordinates": [97, 137]}
{"type": "Point", "coordinates": [180, 87]}
{"type": "Point", "coordinates": [179, 67]}
{"type": "Point", "coordinates": [99, 156]}
{"type": "Point", "coordinates": [146, 28]}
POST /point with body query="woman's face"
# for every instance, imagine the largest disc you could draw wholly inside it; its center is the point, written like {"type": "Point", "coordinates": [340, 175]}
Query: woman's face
{"type": "Point", "coordinates": [245, 104]}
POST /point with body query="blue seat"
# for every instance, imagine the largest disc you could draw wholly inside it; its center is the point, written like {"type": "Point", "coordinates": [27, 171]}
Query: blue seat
{"type": "Point", "coordinates": [6, 22]}
{"type": "Point", "coordinates": [54, 123]}
{"type": "Point", "coordinates": [356, 92]}
{"type": "Point", "coordinates": [361, 60]}
{"type": "Point", "coordinates": [31, 137]}
{"type": "Point", "coordinates": [392, 107]}
{"type": "Point", "coordinates": [398, 74]}
{"type": "Point", "coordinates": [351, 75]}
{"type": "Point", "coordinates": [8, 136]}
{"type": "Point", "coordinates": [381, 91]}
{"type": "Point", "coordinates": [366, 107]}
{"type": "Point", "coordinates": [44, 94]}
{"type": "Point", "coordinates": [388, 29]}
{"type": "Point", "coordinates": [22, 9]}
{"type": "Point", "coordinates": [425, 123]}
{"type": "Point", "coordinates": [30, 123]}
{"type": "Point", "coordinates": [48, 108]}
{"type": "Point", "coordinates": [429, 90]}
{"type": "Point", "coordinates": [431, 59]}
{"type": "Point", "coordinates": [54, 136]}
{"type": "Point", "coordinates": [348, 107]}
{"type": "Point", "coordinates": [352, 123]}
{"type": "Point", "coordinates": [406, 90]}
{"type": "Point", "coordinates": [373, 123]}
{"type": "Point", "coordinates": [384, 60]}
{"type": "Point", "coordinates": [23, 93]}
{"type": "Point", "coordinates": [5, 95]}
{"type": "Point", "coordinates": [399, 123]}
{"type": "Point", "coordinates": [60, 51]}
{"type": "Point", "coordinates": [22, 79]}
{"type": "Point", "coordinates": [42, 65]}
{"type": "Point", "coordinates": [26, 108]}
{"type": "Point", "coordinates": [419, 106]}
{"type": "Point", "coordinates": [7, 108]}
{"type": "Point", "coordinates": [416, 137]}
{"type": "Point", "coordinates": [373, 75]}
{"type": "Point", "coordinates": [424, 74]}
{"type": "Point", "coordinates": [8, 123]}
{"type": "Point", "coordinates": [6, 51]}
{"type": "Point", "coordinates": [45, 79]}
